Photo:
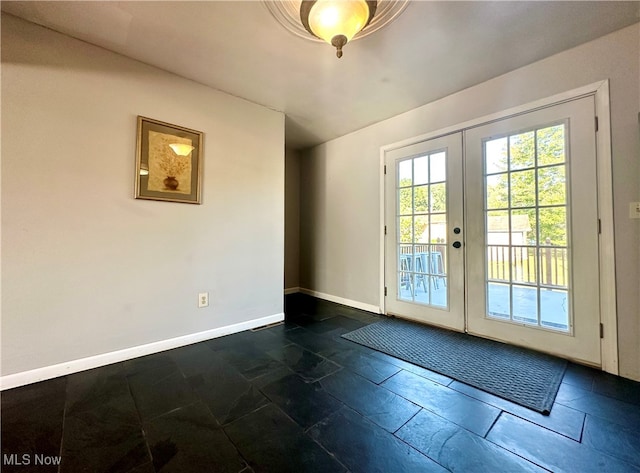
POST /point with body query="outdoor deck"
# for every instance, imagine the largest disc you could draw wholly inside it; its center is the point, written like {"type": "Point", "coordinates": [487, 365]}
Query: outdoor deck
{"type": "Point", "coordinates": [513, 291]}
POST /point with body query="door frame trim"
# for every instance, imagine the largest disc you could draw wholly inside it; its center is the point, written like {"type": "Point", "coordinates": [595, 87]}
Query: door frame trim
{"type": "Point", "coordinates": [608, 304]}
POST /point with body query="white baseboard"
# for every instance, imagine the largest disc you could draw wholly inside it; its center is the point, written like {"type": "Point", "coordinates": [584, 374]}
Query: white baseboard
{"type": "Point", "coordinates": [291, 290]}
{"type": "Point", "coordinates": [82, 364]}
{"type": "Point", "coordinates": [339, 300]}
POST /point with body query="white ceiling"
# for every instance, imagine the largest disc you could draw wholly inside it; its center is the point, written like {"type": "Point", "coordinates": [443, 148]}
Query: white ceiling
{"type": "Point", "coordinates": [431, 50]}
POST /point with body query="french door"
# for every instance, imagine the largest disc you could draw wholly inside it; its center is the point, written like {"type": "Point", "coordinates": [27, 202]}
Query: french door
{"type": "Point", "coordinates": [532, 227]}
{"type": "Point", "coordinates": [499, 236]}
{"type": "Point", "coordinates": [424, 270]}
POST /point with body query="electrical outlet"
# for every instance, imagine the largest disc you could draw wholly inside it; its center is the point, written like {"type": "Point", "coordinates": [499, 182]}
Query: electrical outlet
{"type": "Point", "coordinates": [203, 299]}
{"type": "Point", "coordinates": [634, 210]}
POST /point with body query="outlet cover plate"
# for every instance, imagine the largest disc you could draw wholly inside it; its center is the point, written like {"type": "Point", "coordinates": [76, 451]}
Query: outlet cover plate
{"type": "Point", "coordinates": [203, 299]}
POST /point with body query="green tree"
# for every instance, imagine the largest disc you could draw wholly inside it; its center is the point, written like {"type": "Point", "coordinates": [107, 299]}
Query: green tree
{"type": "Point", "coordinates": [422, 200]}
{"type": "Point", "coordinates": [538, 153]}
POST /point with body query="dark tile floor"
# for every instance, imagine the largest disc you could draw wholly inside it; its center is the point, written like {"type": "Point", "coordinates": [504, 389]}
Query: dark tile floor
{"type": "Point", "coordinates": [297, 397]}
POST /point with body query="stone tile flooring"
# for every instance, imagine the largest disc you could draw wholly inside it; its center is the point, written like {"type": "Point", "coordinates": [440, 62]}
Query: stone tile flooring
{"type": "Point", "coordinates": [298, 398]}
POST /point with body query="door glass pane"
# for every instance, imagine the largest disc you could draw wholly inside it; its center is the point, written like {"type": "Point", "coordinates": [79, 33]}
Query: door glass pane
{"type": "Point", "coordinates": [498, 255]}
{"type": "Point", "coordinates": [523, 188]}
{"type": "Point", "coordinates": [526, 227]}
{"type": "Point", "coordinates": [405, 228]}
{"type": "Point", "coordinates": [405, 203]}
{"type": "Point", "coordinates": [499, 300]}
{"type": "Point", "coordinates": [498, 191]}
{"type": "Point", "coordinates": [435, 265]}
{"type": "Point", "coordinates": [421, 199]}
{"type": "Point", "coordinates": [405, 277]}
{"type": "Point", "coordinates": [421, 170]}
{"type": "Point", "coordinates": [405, 173]}
{"type": "Point", "coordinates": [438, 197]}
{"type": "Point", "coordinates": [550, 145]}
{"type": "Point", "coordinates": [422, 230]}
{"type": "Point", "coordinates": [552, 185]}
{"type": "Point", "coordinates": [553, 226]}
{"type": "Point", "coordinates": [421, 226]}
{"type": "Point", "coordinates": [522, 152]}
{"type": "Point", "coordinates": [554, 309]}
{"type": "Point", "coordinates": [554, 267]}
{"type": "Point", "coordinates": [524, 267]}
{"type": "Point", "coordinates": [438, 230]}
{"type": "Point", "coordinates": [405, 289]}
{"type": "Point", "coordinates": [496, 156]}
{"type": "Point", "coordinates": [525, 304]}
{"type": "Point", "coordinates": [438, 167]}
{"type": "Point", "coordinates": [523, 227]}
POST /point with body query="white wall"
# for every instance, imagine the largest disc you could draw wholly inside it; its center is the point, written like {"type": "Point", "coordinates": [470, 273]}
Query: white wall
{"type": "Point", "coordinates": [292, 220]}
{"type": "Point", "coordinates": [340, 214]}
{"type": "Point", "coordinates": [86, 268]}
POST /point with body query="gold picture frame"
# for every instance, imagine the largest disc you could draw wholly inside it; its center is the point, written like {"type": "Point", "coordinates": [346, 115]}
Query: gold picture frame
{"type": "Point", "coordinates": [168, 162]}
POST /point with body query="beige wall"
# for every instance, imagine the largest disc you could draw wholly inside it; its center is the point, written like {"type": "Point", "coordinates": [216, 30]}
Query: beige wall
{"type": "Point", "coordinates": [86, 268]}
{"type": "Point", "coordinates": [340, 206]}
{"type": "Point", "coordinates": [292, 220]}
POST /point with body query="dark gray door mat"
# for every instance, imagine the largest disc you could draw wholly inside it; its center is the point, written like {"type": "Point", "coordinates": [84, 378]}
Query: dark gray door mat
{"type": "Point", "coordinates": [523, 376]}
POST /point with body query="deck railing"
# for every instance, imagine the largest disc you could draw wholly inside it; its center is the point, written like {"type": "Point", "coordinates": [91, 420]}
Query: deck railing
{"type": "Point", "coordinates": [517, 264]}
{"type": "Point", "coordinates": [520, 264]}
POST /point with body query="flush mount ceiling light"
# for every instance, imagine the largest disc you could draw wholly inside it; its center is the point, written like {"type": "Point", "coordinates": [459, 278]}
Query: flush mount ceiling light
{"type": "Point", "coordinates": [335, 21]}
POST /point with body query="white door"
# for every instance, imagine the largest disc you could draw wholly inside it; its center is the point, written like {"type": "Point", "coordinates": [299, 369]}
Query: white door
{"type": "Point", "coordinates": [532, 231]}
{"type": "Point", "coordinates": [424, 272]}
{"type": "Point", "coordinates": [528, 234]}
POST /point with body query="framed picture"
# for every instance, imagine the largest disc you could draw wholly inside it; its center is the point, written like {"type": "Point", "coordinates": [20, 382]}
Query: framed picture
{"type": "Point", "coordinates": [168, 162]}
